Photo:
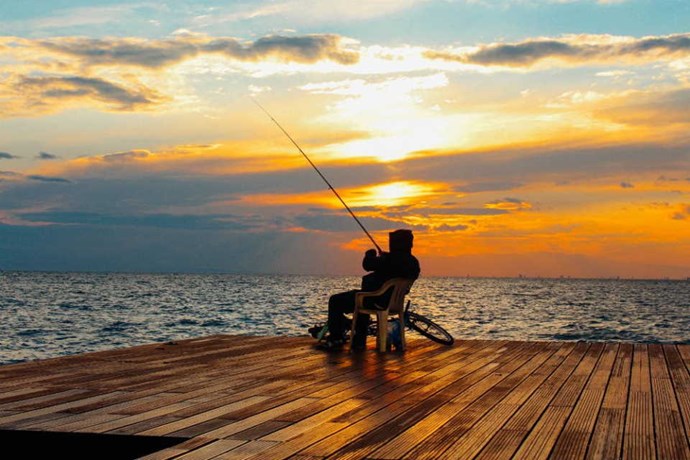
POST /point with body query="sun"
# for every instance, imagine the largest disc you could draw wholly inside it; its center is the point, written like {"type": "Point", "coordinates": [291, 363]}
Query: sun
{"type": "Point", "coordinates": [391, 194]}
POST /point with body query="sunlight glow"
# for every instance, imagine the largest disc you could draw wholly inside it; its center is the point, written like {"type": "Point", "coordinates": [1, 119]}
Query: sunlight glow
{"type": "Point", "coordinates": [392, 194]}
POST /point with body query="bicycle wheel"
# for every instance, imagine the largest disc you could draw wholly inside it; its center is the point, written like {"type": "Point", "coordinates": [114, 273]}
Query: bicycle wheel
{"type": "Point", "coordinates": [429, 329]}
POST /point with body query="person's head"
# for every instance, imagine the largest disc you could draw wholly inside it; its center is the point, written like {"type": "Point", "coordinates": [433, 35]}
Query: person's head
{"type": "Point", "coordinates": [400, 241]}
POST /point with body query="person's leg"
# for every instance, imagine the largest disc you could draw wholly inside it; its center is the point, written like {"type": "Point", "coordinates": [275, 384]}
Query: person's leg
{"type": "Point", "coordinates": [338, 305]}
{"type": "Point", "coordinates": [359, 341]}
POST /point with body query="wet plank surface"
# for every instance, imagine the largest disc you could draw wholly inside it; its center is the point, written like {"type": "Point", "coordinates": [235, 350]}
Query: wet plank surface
{"type": "Point", "coordinates": [240, 397]}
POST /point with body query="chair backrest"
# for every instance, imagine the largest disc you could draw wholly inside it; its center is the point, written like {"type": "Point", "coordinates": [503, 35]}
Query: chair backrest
{"type": "Point", "coordinates": [401, 286]}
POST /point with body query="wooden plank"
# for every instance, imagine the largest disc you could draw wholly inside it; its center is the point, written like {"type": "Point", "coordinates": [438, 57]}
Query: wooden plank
{"type": "Point", "coordinates": [541, 439]}
{"type": "Point", "coordinates": [485, 373]}
{"type": "Point", "coordinates": [671, 441]}
{"type": "Point", "coordinates": [7, 421]}
{"type": "Point", "coordinates": [260, 430]}
{"type": "Point", "coordinates": [45, 400]}
{"type": "Point", "coordinates": [313, 422]}
{"type": "Point", "coordinates": [247, 450]}
{"type": "Point", "coordinates": [573, 440]}
{"type": "Point", "coordinates": [680, 376]}
{"type": "Point", "coordinates": [275, 397]}
{"type": "Point", "coordinates": [154, 414]}
{"type": "Point", "coordinates": [186, 422]}
{"type": "Point", "coordinates": [684, 351]}
{"type": "Point", "coordinates": [383, 410]}
{"type": "Point", "coordinates": [466, 441]}
{"type": "Point", "coordinates": [638, 434]}
{"type": "Point", "coordinates": [179, 449]}
{"type": "Point", "coordinates": [510, 437]}
{"type": "Point", "coordinates": [607, 439]}
{"type": "Point", "coordinates": [21, 393]}
{"type": "Point", "coordinates": [80, 420]}
{"type": "Point", "coordinates": [211, 450]}
{"type": "Point", "coordinates": [545, 434]}
{"type": "Point", "coordinates": [249, 422]}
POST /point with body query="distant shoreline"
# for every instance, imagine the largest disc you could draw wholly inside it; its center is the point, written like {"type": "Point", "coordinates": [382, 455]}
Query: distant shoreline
{"type": "Point", "coordinates": [229, 273]}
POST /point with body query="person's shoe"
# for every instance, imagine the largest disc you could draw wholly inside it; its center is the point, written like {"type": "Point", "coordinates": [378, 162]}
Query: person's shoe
{"type": "Point", "coordinates": [315, 331]}
{"type": "Point", "coordinates": [331, 344]}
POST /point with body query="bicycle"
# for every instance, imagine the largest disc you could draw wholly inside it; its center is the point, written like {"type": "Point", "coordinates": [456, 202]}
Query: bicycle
{"type": "Point", "coordinates": [413, 321]}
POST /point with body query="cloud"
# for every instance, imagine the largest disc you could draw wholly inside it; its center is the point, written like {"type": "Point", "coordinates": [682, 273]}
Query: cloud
{"type": "Point", "coordinates": [161, 53]}
{"type": "Point", "coordinates": [574, 49]}
{"type": "Point", "coordinates": [7, 156]}
{"type": "Point", "coordinates": [682, 214]}
{"type": "Point", "coordinates": [552, 164]}
{"type": "Point", "coordinates": [508, 204]}
{"type": "Point", "coordinates": [121, 51]}
{"type": "Point", "coordinates": [123, 157]}
{"type": "Point", "coordinates": [651, 108]}
{"type": "Point", "coordinates": [451, 228]}
{"type": "Point", "coordinates": [9, 175]}
{"type": "Point", "coordinates": [304, 49]}
{"type": "Point", "coordinates": [46, 156]}
{"type": "Point", "coordinates": [15, 176]}
{"type": "Point", "coordinates": [34, 95]}
{"type": "Point", "coordinates": [48, 179]}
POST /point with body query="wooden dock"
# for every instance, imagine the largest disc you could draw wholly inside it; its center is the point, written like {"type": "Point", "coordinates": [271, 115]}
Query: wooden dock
{"type": "Point", "coordinates": [240, 397]}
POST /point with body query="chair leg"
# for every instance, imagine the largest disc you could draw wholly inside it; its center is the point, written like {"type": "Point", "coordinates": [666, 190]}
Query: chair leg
{"type": "Point", "coordinates": [352, 328]}
{"type": "Point", "coordinates": [382, 339]}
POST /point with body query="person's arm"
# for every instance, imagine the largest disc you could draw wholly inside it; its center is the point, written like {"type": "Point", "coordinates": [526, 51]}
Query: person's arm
{"type": "Point", "coordinates": [372, 261]}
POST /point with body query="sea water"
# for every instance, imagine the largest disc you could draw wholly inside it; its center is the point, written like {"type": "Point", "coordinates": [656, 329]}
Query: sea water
{"type": "Point", "coordinates": [52, 314]}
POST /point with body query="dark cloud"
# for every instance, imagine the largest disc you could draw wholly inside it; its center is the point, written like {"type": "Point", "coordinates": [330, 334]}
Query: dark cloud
{"type": "Point", "coordinates": [46, 156]}
{"type": "Point", "coordinates": [683, 214]}
{"type": "Point", "coordinates": [48, 179]}
{"type": "Point", "coordinates": [160, 53]}
{"type": "Point", "coordinates": [451, 228]}
{"type": "Point", "coordinates": [7, 156]}
{"type": "Point", "coordinates": [154, 53]}
{"type": "Point", "coordinates": [555, 165]}
{"type": "Point", "coordinates": [306, 49]}
{"type": "Point", "coordinates": [627, 185]}
{"type": "Point", "coordinates": [527, 53]}
{"type": "Point", "coordinates": [14, 175]}
{"type": "Point", "coordinates": [45, 91]}
{"type": "Point", "coordinates": [578, 49]}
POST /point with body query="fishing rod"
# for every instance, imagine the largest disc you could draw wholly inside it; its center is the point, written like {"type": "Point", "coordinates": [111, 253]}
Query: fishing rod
{"type": "Point", "coordinates": [319, 172]}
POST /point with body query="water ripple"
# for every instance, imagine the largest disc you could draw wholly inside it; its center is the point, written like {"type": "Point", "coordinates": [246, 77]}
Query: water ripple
{"type": "Point", "coordinates": [51, 314]}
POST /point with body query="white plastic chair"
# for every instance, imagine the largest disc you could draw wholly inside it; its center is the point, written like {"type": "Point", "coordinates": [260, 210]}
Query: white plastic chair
{"type": "Point", "coordinates": [396, 306]}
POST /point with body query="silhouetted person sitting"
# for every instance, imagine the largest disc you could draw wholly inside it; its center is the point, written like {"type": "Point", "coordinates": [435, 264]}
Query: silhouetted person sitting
{"type": "Point", "coordinates": [398, 263]}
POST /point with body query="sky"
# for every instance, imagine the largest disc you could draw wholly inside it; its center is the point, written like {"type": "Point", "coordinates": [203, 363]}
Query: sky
{"type": "Point", "coordinates": [540, 138]}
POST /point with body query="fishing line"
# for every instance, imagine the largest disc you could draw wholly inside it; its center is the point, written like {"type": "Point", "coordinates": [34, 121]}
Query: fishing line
{"type": "Point", "coordinates": [317, 170]}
